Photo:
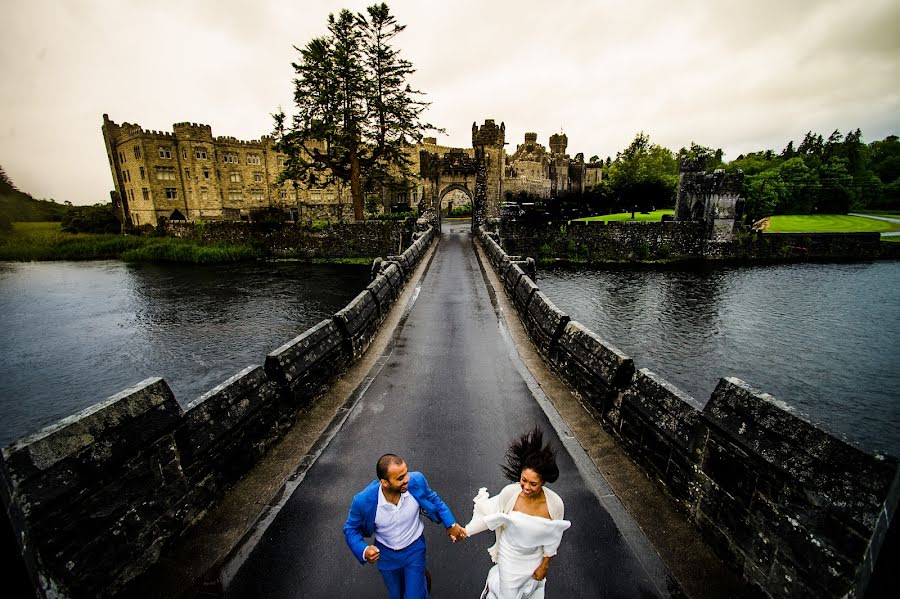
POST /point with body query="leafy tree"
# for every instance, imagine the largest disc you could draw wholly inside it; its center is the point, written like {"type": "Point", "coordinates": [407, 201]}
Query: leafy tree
{"type": "Point", "coordinates": [644, 175]}
{"type": "Point", "coordinates": [885, 158]}
{"type": "Point", "coordinates": [753, 163]}
{"type": "Point", "coordinates": [356, 113]}
{"type": "Point", "coordinates": [713, 157]}
{"type": "Point", "coordinates": [99, 218]}
{"type": "Point", "coordinates": [595, 159]}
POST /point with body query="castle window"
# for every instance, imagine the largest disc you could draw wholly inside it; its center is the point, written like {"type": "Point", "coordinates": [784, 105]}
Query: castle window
{"type": "Point", "coordinates": [235, 177]}
{"type": "Point", "coordinates": [235, 195]}
{"type": "Point", "coordinates": [187, 173]}
{"type": "Point", "coordinates": [253, 159]}
{"type": "Point", "coordinates": [143, 174]}
{"type": "Point", "coordinates": [121, 157]}
{"type": "Point", "coordinates": [230, 158]}
{"type": "Point", "coordinates": [171, 193]}
{"type": "Point", "coordinates": [165, 152]}
{"type": "Point", "coordinates": [125, 175]}
{"type": "Point", "coordinates": [200, 153]}
{"type": "Point", "coordinates": [184, 153]}
{"type": "Point", "coordinates": [283, 194]}
{"type": "Point", "coordinates": [165, 173]}
{"type": "Point", "coordinates": [137, 152]}
{"type": "Point", "coordinates": [256, 195]}
{"type": "Point", "coordinates": [281, 160]}
{"type": "Point", "coordinates": [131, 194]}
{"type": "Point", "coordinates": [146, 194]}
{"type": "Point", "coordinates": [258, 177]}
{"type": "Point", "coordinates": [206, 173]}
{"type": "Point", "coordinates": [204, 193]}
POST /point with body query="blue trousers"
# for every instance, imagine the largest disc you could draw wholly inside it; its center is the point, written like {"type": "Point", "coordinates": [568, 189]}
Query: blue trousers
{"type": "Point", "coordinates": [404, 570]}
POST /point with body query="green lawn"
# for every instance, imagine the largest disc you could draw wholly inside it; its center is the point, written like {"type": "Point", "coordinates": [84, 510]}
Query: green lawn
{"type": "Point", "coordinates": [827, 223]}
{"type": "Point", "coordinates": [45, 241]}
{"type": "Point", "coordinates": [651, 217]}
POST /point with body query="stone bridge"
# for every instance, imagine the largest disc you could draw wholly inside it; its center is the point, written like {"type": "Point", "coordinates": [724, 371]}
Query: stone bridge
{"type": "Point", "coordinates": [450, 353]}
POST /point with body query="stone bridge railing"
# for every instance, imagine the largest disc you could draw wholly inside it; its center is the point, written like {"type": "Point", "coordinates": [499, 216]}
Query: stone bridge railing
{"type": "Point", "coordinates": [94, 499]}
{"type": "Point", "coordinates": [796, 511]}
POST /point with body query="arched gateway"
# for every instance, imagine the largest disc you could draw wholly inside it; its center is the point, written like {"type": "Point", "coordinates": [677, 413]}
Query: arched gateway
{"type": "Point", "coordinates": [475, 172]}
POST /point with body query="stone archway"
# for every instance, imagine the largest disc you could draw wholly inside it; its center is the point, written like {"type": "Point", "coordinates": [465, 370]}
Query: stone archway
{"type": "Point", "coordinates": [453, 196]}
{"type": "Point", "coordinates": [176, 215]}
{"type": "Point", "coordinates": [697, 210]}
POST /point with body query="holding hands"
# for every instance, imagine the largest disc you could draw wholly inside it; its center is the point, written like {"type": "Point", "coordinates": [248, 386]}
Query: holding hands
{"type": "Point", "coordinates": [457, 533]}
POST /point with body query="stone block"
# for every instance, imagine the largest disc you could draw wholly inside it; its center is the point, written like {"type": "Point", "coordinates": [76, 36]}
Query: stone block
{"type": "Point", "coordinates": [543, 320]}
{"type": "Point", "coordinates": [381, 290]}
{"type": "Point", "coordinates": [306, 365]}
{"type": "Point", "coordinates": [671, 411]}
{"type": "Point", "coordinates": [92, 546]}
{"type": "Point", "coordinates": [592, 367]}
{"type": "Point", "coordinates": [395, 278]}
{"type": "Point", "coordinates": [513, 274]}
{"type": "Point", "coordinates": [358, 323]}
{"type": "Point", "coordinates": [412, 258]}
{"type": "Point", "coordinates": [522, 294]}
{"type": "Point", "coordinates": [83, 451]}
{"type": "Point", "coordinates": [227, 429]}
{"type": "Point", "coordinates": [406, 269]}
{"type": "Point", "coordinates": [831, 472]}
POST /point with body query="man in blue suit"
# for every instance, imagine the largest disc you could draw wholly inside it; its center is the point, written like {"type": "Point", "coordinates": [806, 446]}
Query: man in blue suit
{"type": "Point", "coordinates": [389, 508]}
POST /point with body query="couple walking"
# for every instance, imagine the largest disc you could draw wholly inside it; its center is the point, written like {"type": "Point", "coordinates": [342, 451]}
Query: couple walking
{"type": "Point", "coordinates": [526, 516]}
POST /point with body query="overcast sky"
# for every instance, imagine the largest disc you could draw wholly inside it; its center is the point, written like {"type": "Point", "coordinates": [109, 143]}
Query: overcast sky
{"type": "Point", "coordinates": [740, 75]}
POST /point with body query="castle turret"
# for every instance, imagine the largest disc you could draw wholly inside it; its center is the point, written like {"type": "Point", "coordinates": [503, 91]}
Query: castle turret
{"type": "Point", "coordinates": [558, 143]}
{"type": "Point", "coordinates": [488, 134]}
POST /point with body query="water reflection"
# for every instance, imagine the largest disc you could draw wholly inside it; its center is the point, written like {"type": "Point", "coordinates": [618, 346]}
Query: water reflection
{"type": "Point", "coordinates": [823, 338]}
{"type": "Point", "coordinates": [75, 333]}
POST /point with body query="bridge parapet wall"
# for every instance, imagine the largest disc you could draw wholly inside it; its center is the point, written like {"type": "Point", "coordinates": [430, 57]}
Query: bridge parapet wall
{"type": "Point", "coordinates": [94, 499]}
{"type": "Point", "coordinates": [795, 510]}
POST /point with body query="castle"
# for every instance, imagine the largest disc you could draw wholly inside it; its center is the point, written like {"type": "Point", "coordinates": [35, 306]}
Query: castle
{"type": "Point", "coordinates": [189, 174]}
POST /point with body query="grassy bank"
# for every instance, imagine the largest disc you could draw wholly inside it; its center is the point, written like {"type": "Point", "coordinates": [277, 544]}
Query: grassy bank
{"type": "Point", "coordinates": [828, 223]}
{"type": "Point", "coordinates": [650, 217]}
{"type": "Point", "coordinates": [45, 241]}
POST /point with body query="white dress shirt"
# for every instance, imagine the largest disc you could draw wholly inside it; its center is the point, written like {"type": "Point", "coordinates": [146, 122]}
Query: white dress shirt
{"type": "Point", "coordinates": [397, 526]}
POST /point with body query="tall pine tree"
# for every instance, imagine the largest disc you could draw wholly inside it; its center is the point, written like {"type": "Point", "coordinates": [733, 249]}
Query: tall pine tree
{"type": "Point", "coordinates": [355, 111]}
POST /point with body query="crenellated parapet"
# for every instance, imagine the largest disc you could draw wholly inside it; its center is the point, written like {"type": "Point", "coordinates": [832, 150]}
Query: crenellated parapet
{"type": "Point", "coordinates": [488, 134]}
{"type": "Point", "coordinates": [713, 198]}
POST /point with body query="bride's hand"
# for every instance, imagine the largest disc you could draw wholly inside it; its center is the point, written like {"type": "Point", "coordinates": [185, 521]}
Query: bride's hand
{"type": "Point", "coordinates": [541, 572]}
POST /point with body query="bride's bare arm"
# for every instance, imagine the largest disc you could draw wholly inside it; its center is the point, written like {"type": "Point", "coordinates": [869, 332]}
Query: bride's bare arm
{"type": "Point", "coordinates": [540, 572]}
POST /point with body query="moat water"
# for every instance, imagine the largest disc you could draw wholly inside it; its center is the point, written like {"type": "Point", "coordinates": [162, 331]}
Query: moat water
{"type": "Point", "coordinates": [74, 333]}
{"type": "Point", "coordinates": [824, 338]}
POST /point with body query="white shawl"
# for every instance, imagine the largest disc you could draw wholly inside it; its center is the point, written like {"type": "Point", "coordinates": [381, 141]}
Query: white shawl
{"type": "Point", "coordinates": [503, 503]}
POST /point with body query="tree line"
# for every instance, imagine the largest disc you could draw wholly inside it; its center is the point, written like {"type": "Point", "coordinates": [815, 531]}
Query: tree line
{"type": "Point", "coordinates": [18, 206]}
{"type": "Point", "coordinates": [833, 175]}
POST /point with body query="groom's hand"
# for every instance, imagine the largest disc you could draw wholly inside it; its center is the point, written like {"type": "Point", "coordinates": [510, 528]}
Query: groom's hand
{"type": "Point", "coordinates": [457, 533]}
{"type": "Point", "coordinates": [371, 554]}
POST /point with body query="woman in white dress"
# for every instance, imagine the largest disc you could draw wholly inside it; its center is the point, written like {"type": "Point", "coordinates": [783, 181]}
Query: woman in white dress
{"type": "Point", "coordinates": [527, 517]}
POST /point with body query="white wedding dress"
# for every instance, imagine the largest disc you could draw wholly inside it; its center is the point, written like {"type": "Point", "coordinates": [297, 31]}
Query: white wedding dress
{"type": "Point", "coordinates": [522, 543]}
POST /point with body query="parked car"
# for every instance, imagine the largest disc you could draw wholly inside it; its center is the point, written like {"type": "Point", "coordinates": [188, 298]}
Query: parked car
{"type": "Point", "coordinates": [510, 211]}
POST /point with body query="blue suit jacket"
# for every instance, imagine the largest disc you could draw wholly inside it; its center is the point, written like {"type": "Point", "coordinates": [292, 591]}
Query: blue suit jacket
{"type": "Point", "coordinates": [361, 519]}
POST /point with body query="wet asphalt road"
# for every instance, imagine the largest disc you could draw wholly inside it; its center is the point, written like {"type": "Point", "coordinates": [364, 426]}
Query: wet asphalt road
{"type": "Point", "coordinates": [449, 399]}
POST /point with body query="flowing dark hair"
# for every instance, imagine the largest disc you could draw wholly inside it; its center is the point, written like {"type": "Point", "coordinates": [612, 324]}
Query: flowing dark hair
{"type": "Point", "coordinates": [529, 451]}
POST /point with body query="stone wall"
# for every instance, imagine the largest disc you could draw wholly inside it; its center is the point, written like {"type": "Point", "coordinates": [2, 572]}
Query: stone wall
{"type": "Point", "coordinates": [795, 510]}
{"type": "Point", "coordinates": [597, 241]}
{"type": "Point", "coordinates": [94, 499]}
{"type": "Point", "coordinates": [291, 240]}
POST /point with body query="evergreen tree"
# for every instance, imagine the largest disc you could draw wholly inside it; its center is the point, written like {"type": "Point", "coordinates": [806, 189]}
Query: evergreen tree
{"type": "Point", "coordinates": [355, 110]}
